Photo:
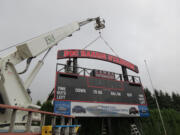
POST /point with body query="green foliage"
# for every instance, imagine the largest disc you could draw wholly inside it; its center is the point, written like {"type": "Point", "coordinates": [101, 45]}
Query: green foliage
{"type": "Point", "coordinates": [165, 100]}
{"type": "Point", "coordinates": [153, 125]}
{"type": "Point", "coordinates": [150, 100]}
{"type": "Point", "coordinates": [176, 101]}
{"type": "Point", "coordinates": [47, 106]}
{"type": "Point", "coordinates": [38, 103]}
{"type": "Point", "coordinates": [170, 108]}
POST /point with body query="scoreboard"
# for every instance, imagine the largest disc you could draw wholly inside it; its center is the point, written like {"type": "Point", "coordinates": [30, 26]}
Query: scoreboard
{"type": "Point", "coordinates": [88, 96]}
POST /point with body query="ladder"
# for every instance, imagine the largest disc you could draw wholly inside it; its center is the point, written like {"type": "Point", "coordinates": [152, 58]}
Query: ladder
{"type": "Point", "coordinates": [134, 130]}
{"type": "Point", "coordinates": [106, 126]}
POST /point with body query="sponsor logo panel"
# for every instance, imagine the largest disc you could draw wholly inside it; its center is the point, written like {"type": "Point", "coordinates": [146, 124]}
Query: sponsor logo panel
{"type": "Point", "coordinates": [143, 110]}
{"type": "Point", "coordinates": [62, 107]}
{"type": "Point", "coordinates": [106, 110]}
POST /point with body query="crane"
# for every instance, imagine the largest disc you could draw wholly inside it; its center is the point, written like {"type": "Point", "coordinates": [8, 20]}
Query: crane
{"type": "Point", "coordinates": [14, 90]}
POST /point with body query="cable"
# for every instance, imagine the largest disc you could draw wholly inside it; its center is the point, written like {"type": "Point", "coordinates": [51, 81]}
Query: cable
{"type": "Point", "coordinates": [17, 44]}
{"type": "Point", "coordinates": [30, 59]}
{"type": "Point", "coordinates": [109, 46]}
{"type": "Point", "coordinates": [8, 48]}
{"type": "Point", "coordinates": [91, 42]}
{"type": "Point", "coordinates": [46, 53]}
{"type": "Point", "coordinates": [156, 99]}
{"type": "Point", "coordinates": [28, 62]}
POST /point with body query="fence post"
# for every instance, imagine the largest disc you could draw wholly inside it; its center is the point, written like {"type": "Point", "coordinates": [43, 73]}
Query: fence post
{"type": "Point", "coordinates": [53, 122]}
{"type": "Point", "coordinates": [29, 121]}
{"type": "Point", "coordinates": [13, 117]}
{"type": "Point", "coordinates": [43, 118]}
{"type": "Point", "coordinates": [70, 128]}
{"type": "Point", "coordinates": [67, 129]}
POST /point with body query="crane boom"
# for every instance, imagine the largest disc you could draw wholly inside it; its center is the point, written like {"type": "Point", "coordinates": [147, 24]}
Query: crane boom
{"type": "Point", "coordinates": [13, 91]}
{"type": "Point", "coordinates": [38, 45]}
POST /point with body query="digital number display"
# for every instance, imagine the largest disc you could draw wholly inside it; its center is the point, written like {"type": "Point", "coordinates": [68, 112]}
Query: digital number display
{"type": "Point", "coordinates": [102, 74]}
{"type": "Point", "coordinates": [92, 89]}
{"type": "Point", "coordinates": [104, 83]}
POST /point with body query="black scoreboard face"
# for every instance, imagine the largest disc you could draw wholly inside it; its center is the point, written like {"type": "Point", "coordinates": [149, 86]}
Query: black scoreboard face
{"type": "Point", "coordinates": [91, 96]}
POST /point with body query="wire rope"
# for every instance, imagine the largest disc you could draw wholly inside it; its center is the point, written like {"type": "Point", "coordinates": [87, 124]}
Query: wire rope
{"type": "Point", "coordinates": [106, 43]}
{"type": "Point", "coordinates": [89, 44]}
{"type": "Point", "coordinates": [8, 48]}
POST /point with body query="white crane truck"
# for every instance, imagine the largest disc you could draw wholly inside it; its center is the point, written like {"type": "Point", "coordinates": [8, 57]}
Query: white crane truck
{"type": "Point", "coordinates": [13, 90]}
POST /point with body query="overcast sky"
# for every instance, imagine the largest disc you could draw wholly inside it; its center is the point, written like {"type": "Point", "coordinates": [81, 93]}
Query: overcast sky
{"type": "Point", "coordinates": [137, 30]}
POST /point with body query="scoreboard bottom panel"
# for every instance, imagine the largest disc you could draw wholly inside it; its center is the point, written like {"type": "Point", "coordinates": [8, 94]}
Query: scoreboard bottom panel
{"type": "Point", "coordinates": [82, 109]}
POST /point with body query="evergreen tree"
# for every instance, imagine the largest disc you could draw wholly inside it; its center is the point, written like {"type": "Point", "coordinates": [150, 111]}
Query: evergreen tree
{"type": "Point", "coordinates": [167, 101]}
{"type": "Point", "coordinates": [38, 103]}
{"type": "Point", "coordinates": [149, 98]}
{"type": "Point", "coordinates": [176, 101]}
{"type": "Point", "coordinates": [47, 106]}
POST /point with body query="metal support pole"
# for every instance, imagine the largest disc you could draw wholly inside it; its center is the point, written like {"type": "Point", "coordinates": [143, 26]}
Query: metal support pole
{"type": "Point", "coordinates": [160, 115]}
{"type": "Point", "coordinates": [124, 71]}
{"type": "Point", "coordinates": [109, 126]}
{"type": "Point", "coordinates": [43, 118]}
{"type": "Point", "coordinates": [13, 117]}
{"type": "Point", "coordinates": [75, 65]}
{"type": "Point", "coordinates": [120, 76]}
{"type": "Point", "coordinates": [53, 122]}
{"type": "Point", "coordinates": [133, 79]}
{"type": "Point", "coordinates": [29, 121]}
{"type": "Point", "coordinates": [84, 71]}
{"type": "Point", "coordinates": [67, 129]}
{"type": "Point", "coordinates": [103, 128]}
{"type": "Point", "coordinates": [70, 123]}
{"type": "Point", "coordinates": [62, 120]}
{"type": "Point", "coordinates": [76, 121]}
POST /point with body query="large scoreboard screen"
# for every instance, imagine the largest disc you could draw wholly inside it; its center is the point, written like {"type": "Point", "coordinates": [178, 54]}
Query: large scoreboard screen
{"type": "Point", "coordinates": [86, 96]}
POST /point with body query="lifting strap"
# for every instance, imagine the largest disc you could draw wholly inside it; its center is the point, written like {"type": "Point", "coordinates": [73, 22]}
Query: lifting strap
{"type": "Point", "coordinates": [105, 42]}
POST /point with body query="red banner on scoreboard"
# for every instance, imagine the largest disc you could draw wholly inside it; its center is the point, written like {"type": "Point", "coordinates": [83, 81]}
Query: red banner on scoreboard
{"type": "Point", "coordinates": [62, 54]}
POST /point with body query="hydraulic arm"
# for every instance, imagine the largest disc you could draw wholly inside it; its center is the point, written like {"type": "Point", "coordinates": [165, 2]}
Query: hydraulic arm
{"type": "Point", "coordinates": [13, 91]}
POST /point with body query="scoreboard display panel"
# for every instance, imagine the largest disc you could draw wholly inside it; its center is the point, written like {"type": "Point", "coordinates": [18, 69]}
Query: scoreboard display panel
{"type": "Point", "coordinates": [103, 74]}
{"type": "Point", "coordinates": [88, 96]}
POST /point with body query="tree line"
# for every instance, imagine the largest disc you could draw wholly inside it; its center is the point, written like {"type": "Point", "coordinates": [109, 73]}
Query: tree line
{"type": "Point", "coordinates": [165, 100]}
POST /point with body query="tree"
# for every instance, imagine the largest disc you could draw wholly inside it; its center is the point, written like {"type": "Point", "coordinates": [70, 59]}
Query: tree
{"type": "Point", "coordinates": [167, 101]}
{"type": "Point", "coordinates": [38, 103]}
{"type": "Point", "coordinates": [47, 106]}
{"type": "Point", "coordinates": [176, 101]}
{"type": "Point", "coordinates": [150, 100]}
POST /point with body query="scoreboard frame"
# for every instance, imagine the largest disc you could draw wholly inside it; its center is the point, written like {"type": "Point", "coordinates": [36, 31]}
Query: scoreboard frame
{"type": "Point", "coordinates": [90, 107]}
{"type": "Point", "coordinates": [75, 53]}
